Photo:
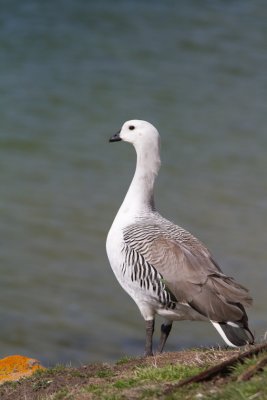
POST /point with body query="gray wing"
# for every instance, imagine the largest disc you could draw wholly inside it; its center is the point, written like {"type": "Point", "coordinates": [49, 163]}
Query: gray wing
{"type": "Point", "coordinates": [188, 270]}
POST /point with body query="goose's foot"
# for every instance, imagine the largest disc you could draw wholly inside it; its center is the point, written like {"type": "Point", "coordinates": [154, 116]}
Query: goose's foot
{"type": "Point", "coordinates": [165, 331]}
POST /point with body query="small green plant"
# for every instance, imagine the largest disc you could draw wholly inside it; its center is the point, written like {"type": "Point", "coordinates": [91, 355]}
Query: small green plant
{"type": "Point", "coordinates": [92, 388]}
{"type": "Point", "coordinates": [63, 394]}
{"type": "Point", "coordinates": [104, 373]}
{"type": "Point", "coordinates": [167, 373]}
{"type": "Point", "coordinates": [124, 383]}
{"type": "Point", "coordinates": [241, 367]}
{"type": "Point", "coordinates": [124, 360]}
{"type": "Point", "coordinates": [77, 373]}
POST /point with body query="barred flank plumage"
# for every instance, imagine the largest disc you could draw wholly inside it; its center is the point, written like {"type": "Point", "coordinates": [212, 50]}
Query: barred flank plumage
{"type": "Point", "coordinates": [146, 276]}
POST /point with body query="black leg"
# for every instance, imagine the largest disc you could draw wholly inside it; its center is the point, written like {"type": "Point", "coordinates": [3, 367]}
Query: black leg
{"type": "Point", "coordinates": [165, 331]}
{"type": "Point", "coordinates": [149, 337]}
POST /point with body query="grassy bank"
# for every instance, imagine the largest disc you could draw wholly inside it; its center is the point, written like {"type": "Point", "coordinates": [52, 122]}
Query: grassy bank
{"type": "Point", "coordinates": [157, 377]}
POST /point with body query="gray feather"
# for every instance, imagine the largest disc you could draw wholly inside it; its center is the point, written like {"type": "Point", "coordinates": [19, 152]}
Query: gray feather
{"type": "Point", "coordinates": [188, 269]}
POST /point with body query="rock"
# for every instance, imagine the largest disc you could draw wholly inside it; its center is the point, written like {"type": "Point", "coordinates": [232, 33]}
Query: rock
{"type": "Point", "coordinates": [15, 367]}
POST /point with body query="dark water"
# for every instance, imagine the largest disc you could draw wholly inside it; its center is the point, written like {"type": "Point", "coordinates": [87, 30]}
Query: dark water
{"type": "Point", "coordinates": [71, 72]}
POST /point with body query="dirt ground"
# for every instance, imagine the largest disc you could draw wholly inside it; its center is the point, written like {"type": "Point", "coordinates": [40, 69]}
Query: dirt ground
{"type": "Point", "coordinates": [66, 383]}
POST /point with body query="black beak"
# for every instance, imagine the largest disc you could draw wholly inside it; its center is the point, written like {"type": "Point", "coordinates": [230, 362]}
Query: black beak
{"type": "Point", "coordinates": [115, 138]}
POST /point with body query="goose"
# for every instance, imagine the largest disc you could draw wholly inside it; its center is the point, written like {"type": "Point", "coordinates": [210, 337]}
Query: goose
{"type": "Point", "coordinates": [164, 268]}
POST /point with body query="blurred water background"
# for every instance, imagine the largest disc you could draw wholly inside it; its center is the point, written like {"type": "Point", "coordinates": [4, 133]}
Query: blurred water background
{"type": "Point", "coordinates": [71, 72]}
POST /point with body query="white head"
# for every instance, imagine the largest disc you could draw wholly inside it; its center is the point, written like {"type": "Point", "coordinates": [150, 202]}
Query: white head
{"type": "Point", "coordinates": [140, 133]}
{"type": "Point", "coordinates": [146, 140]}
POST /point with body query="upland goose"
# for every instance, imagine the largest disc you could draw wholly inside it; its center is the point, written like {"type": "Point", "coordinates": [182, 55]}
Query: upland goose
{"type": "Point", "coordinates": [165, 269]}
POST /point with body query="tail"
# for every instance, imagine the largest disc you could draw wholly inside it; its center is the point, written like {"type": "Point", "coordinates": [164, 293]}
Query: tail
{"type": "Point", "coordinates": [235, 334]}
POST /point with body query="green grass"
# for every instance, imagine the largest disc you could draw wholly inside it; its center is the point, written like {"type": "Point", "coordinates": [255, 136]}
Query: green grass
{"type": "Point", "coordinates": [148, 381]}
{"type": "Point", "coordinates": [242, 367]}
{"type": "Point", "coordinates": [105, 373]}
{"type": "Point", "coordinates": [51, 371]}
{"type": "Point", "coordinates": [125, 383]}
{"type": "Point", "coordinates": [168, 373]}
{"type": "Point", "coordinates": [124, 360]}
{"type": "Point", "coordinates": [230, 389]}
{"type": "Point", "coordinates": [145, 382]}
{"type": "Point", "coordinates": [255, 388]}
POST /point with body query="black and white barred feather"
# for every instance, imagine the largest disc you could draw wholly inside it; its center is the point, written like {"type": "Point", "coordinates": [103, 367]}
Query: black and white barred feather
{"type": "Point", "coordinates": [146, 275]}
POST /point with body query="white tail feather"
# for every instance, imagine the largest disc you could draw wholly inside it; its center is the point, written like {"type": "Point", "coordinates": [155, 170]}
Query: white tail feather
{"type": "Point", "coordinates": [218, 327]}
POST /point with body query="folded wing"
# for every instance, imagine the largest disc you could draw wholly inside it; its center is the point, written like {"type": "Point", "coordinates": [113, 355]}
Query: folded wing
{"type": "Point", "coordinates": [189, 271]}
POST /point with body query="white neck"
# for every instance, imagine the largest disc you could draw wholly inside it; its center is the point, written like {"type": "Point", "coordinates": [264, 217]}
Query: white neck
{"type": "Point", "coordinates": [140, 196]}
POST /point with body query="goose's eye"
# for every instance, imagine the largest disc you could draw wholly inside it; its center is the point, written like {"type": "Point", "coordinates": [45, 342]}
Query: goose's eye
{"type": "Point", "coordinates": [131, 127]}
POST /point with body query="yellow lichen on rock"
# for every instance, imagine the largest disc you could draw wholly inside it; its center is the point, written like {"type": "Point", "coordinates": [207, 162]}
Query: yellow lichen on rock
{"type": "Point", "coordinates": [13, 368]}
